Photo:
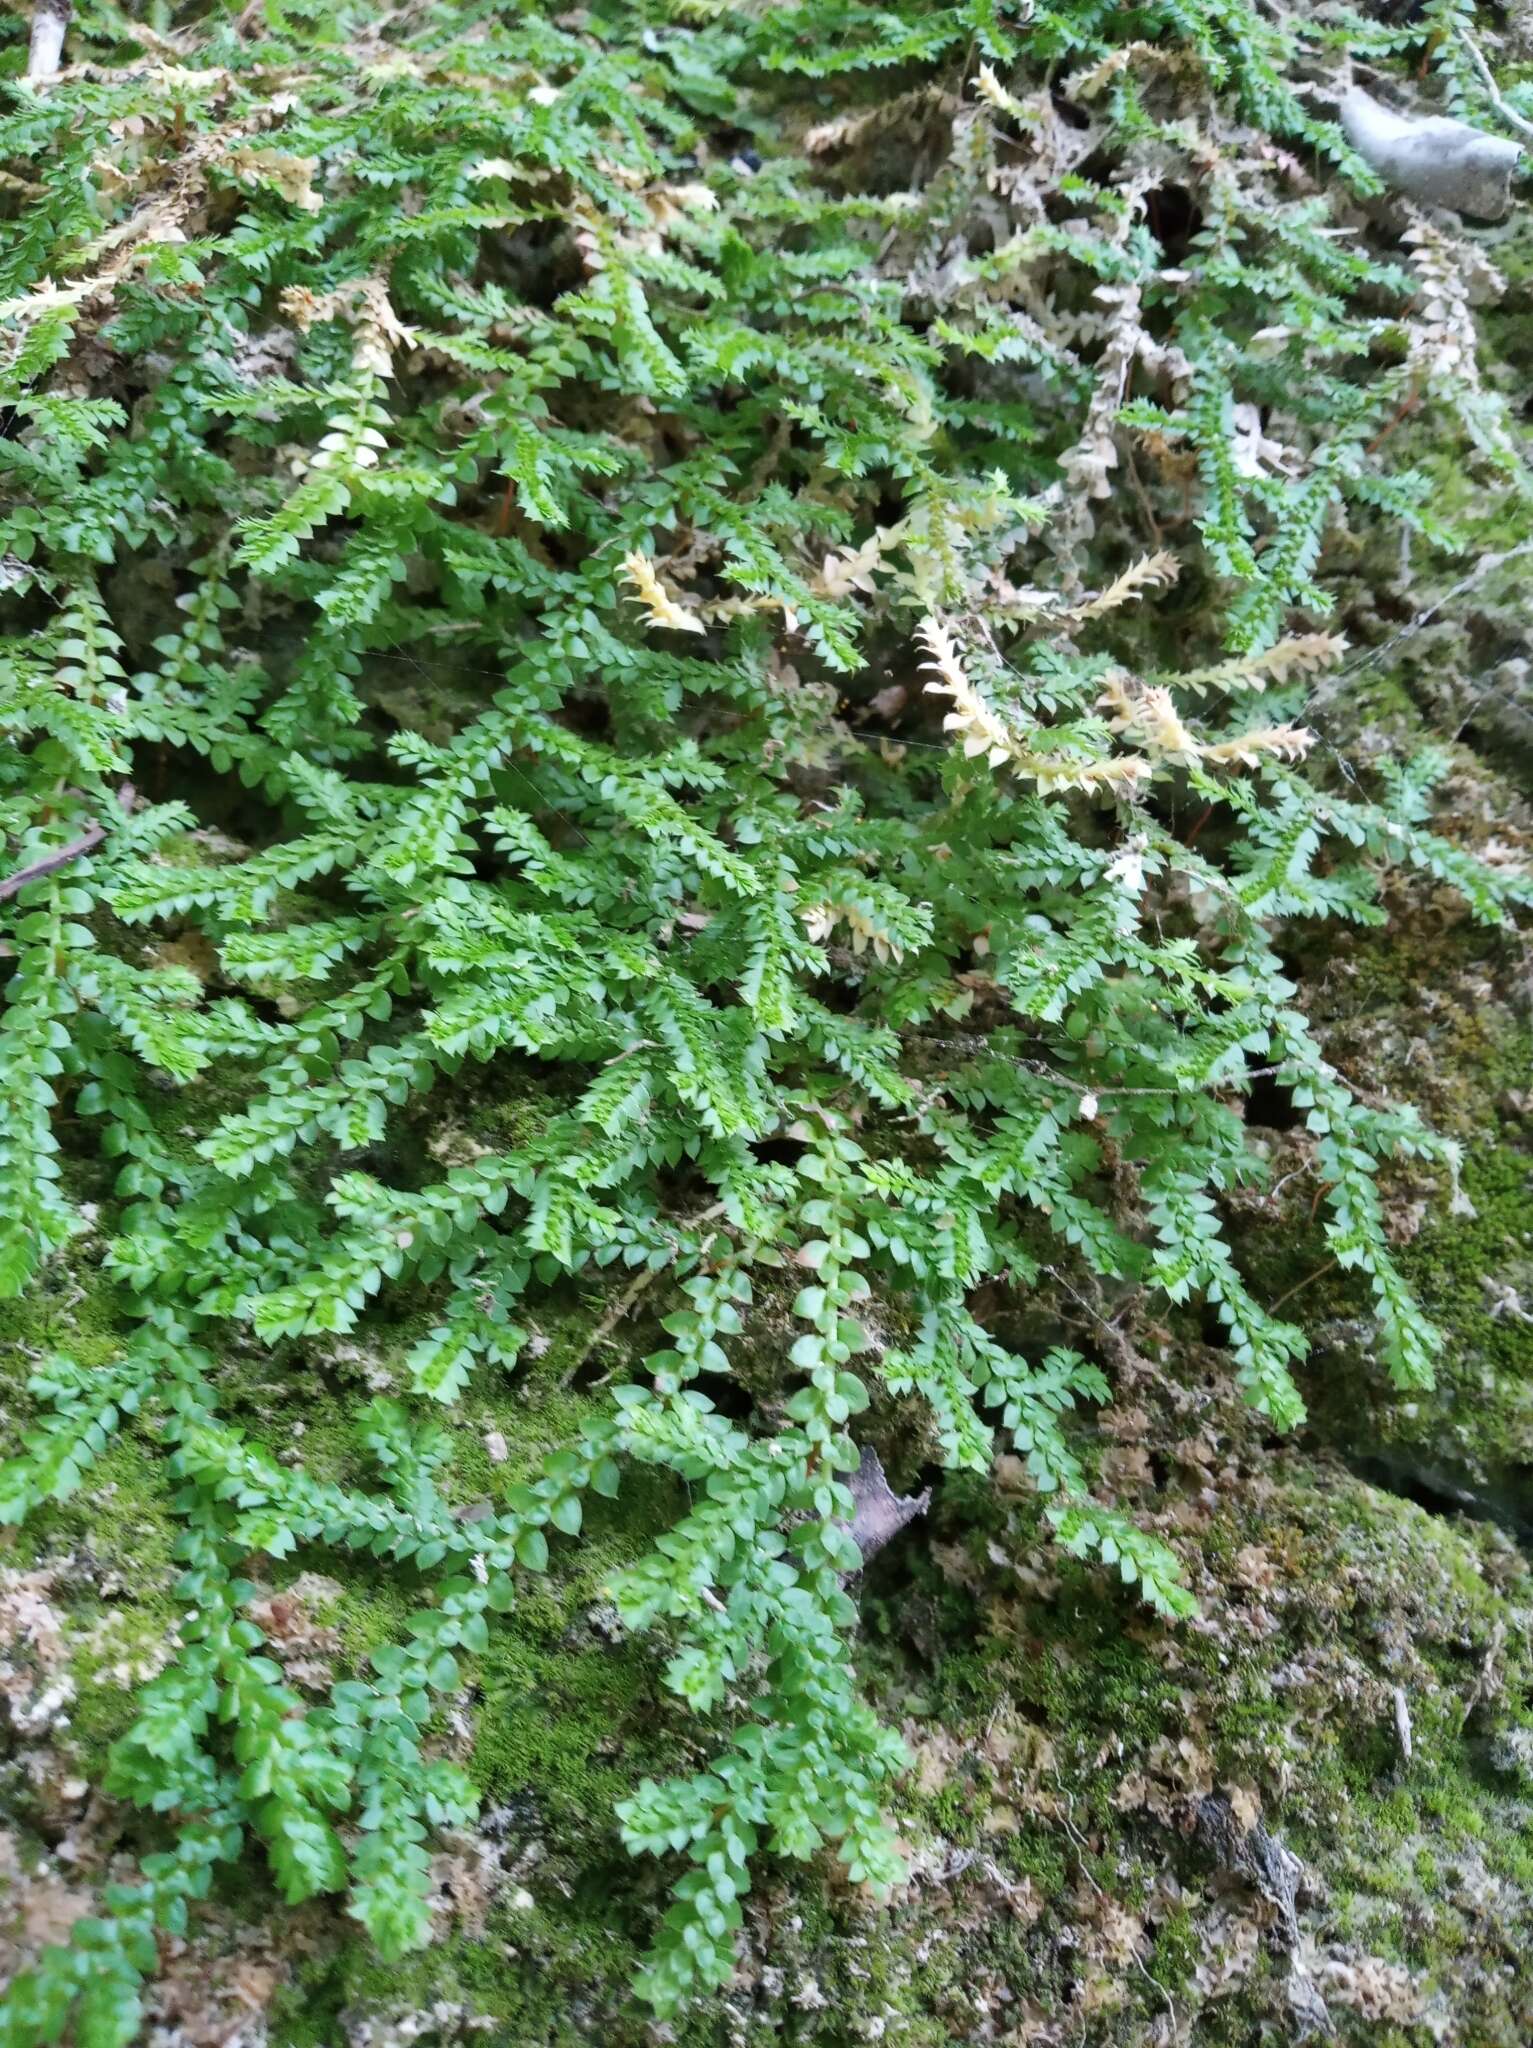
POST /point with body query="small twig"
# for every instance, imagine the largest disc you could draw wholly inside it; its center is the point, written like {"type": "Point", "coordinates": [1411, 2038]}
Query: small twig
{"type": "Point", "coordinates": [88, 841]}
{"type": "Point", "coordinates": [1299, 1285]}
{"type": "Point", "coordinates": [1136, 484]}
{"type": "Point", "coordinates": [1198, 827]}
{"type": "Point", "coordinates": [602, 1334]}
{"type": "Point", "coordinates": [1410, 403]}
{"type": "Point", "coordinates": [1297, 1173]}
{"type": "Point", "coordinates": [1492, 91]}
{"type": "Point", "coordinates": [90, 838]}
{"type": "Point", "coordinates": [1402, 1723]}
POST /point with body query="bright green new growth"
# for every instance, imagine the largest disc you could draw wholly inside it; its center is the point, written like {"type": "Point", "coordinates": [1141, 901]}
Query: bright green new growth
{"type": "Point", "coordinates": [557, 371]}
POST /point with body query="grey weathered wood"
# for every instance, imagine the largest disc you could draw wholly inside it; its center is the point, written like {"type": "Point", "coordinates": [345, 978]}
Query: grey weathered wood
{"type": "Point", "coordinates": [1434, 160]}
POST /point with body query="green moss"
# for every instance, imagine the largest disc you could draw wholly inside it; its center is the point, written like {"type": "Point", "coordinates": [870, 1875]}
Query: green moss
{"type": "Point", "coordinates": [1176, 1953]}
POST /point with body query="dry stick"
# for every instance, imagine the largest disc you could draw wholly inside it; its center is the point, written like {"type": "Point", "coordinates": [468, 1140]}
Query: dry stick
{"type": "Point", "coordinates": [630, 1295]}
{"type": "Point", "coordinates": [1508, 114]}
{"type": "Point", "coordinates": [88, 841]}
{"type": "Point", "coordinates": [91, 837]}
{"type": "Point", "coordinates": [1300, 1285]}
{"type": "Point", "coordinates": [1410, 403]}
{"type": "Point", "coordinates": [47, 46]}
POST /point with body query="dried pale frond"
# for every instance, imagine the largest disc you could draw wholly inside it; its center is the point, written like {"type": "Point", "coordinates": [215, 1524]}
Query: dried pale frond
{"type": "Point", "coordinates": [649, 591]}
{"type": "Point", "coordinates": [364, 303]}
{"type": "Point", "coordinates": [852, 569]}
{"type": "Point", "coordinates": [128, 244]}
{"type": "Point", "coordinates": [350, 447]}
{"type": "Point", "coordinates": [1085, 85]}
{"type": "Point", "coordinates": [1443, 338]}
{"type": "Point", "coordinates": [981, 730]}
{"type": "Point", "coordinates": [821, 918]}
{"type": "Point", "coordinates": [850, 128]}
{"type": "Point", "coordinates": [1288, 742]}
{"type": "Point", "coordinates": [1150, 572]}
{"type": "Point", "coordinates": [667, 204]}
{"type": "Point", "coordinates": [991, 90]}
{"type": "Point", "coordinates": [1300, 656]}
{"type": "Point", "coordinates": [46, 299]}
{"type": "Point", "coordinates": [292, 176]}
{"type": "Point", "coordinates": [178, 80]}
{"type": "Point", "coordinates": [1127, 866]}
{"type": "Point", "coordinates": [829, 135]}
{"type": "Point", "coordinates": [1023, 607]}
{"type": "Point", "coordinates": [1149, 712]}
{"type": "Point", "coordinates": [1088, 464]}
{"type": "Point", "coordinates": [1123, 774]}
{"type": "Point", "coordinates": [304, 307]}
{"type": "Point", "coordinates": [1117, 699]}
{"type": "Point", "coordinates": [1159, 724]}
{"type": "Point", "coordinates": [378, 330]}
{"type": "Point", "coordinates": [1253, 451]}
{"type": "Point", "coordinates": [738, 607]}
{"type": "Point", "coordinates": [159, 220]}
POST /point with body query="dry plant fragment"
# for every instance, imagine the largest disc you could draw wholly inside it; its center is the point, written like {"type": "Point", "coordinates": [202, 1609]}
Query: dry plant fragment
{"type": "Point", "coordinates": [661, 608]}
{"type": "Point", "coordinates": [292, 176]}
{"type": "Point", "coordinates": [984, 732]}
{"type": "Point", "coordinates": [1303, 655]}
{"type": "Point", "coordinates": [820, 919]}
{"type": "Point", "coordinates": [1151, 572]}
{"type": "Point", "coordinates": [363, 302]}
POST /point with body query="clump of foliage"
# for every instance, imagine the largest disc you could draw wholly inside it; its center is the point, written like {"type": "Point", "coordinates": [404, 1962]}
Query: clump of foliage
{"type": "Point", "coordinates": [755, 501]}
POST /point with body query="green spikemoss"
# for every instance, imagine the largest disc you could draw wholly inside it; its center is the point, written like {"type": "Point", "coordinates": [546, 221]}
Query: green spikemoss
{"type": "Point", "coordinates": [573, 790]}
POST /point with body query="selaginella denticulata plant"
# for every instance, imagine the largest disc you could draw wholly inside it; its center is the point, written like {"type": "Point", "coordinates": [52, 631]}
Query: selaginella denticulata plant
{"type": "Point", "coordinates": [698, 563]}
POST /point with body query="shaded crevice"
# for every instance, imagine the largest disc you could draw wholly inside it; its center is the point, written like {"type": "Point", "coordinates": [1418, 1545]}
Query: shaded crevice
{"type": "Point", "coordinates": [1444, 1490]}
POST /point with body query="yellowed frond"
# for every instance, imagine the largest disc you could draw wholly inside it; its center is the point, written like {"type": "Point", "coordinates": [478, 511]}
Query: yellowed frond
{"type": "Point", "coordinates": [1148, 711]}
{"type": "Point", "coordinates": [1302, 655]}
{"type": "Point", "coordinates": [661, 608]}
{"type": "Point", "coordinates": [1150, 572]}
{"type": "Point", "coordinates": [983, 731]}
{"type": "Point", "coordinates": [1289, 742]}
{"type": "Point", "coordinates": [820, 919]}
{"type": "Point", "coordinates": [994, 94]}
